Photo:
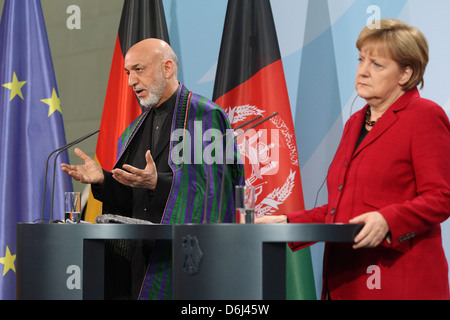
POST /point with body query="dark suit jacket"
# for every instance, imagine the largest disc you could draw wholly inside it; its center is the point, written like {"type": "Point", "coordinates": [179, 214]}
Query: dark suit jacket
{"type": "Point", "coordinates": [118, 199]}
{"type": "Point", "coordinates": [402, 170]}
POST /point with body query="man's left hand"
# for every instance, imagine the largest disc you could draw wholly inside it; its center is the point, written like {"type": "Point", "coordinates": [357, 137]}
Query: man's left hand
{"type": "Point", "coordinates": [138, 178]}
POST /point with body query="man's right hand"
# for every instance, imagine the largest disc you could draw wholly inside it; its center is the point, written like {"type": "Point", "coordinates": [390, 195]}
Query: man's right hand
{"type": "Point", "coordinates": [89, 172]}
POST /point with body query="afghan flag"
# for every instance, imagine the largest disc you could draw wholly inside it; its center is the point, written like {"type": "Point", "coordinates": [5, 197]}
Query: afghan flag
{"type": "Point", "coordinates": [141, 19]}
{"type": "Point", "coordinates": [249, 83]}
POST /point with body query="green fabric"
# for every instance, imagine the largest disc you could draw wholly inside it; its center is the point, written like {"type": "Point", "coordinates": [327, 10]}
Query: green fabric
{"type": "Point", "coordinates": [299, 275]}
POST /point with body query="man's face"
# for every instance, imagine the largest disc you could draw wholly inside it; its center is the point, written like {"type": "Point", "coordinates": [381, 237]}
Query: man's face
{"type": "Point", "coordinates": [145, 75]}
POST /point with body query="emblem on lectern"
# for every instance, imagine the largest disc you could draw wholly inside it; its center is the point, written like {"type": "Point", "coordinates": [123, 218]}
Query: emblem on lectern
{"type": "Point", "coordinates": [192, 254]}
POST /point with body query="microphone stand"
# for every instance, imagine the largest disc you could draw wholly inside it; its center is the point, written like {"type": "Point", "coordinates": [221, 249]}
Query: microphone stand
{"type": "Point", "coordinates": [205, 201]}
{"type": "Point", "coordinates": [224, 162]}
{"type": "Point", "coordinates": [225, 167]}
{"type": "Point", "coordinates": [59, 150]}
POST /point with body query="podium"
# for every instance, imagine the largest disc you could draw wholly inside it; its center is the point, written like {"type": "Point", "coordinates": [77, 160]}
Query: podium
{"type": "Point", "coordinates": [210, 261]}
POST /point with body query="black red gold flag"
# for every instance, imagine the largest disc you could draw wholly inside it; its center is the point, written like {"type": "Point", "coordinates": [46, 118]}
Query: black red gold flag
{"type": "Point", "coordinates": [141, 19]}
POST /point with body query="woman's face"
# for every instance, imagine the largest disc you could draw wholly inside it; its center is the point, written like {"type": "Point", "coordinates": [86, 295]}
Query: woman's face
{"type": "Point", "coordinates": [379, 78]}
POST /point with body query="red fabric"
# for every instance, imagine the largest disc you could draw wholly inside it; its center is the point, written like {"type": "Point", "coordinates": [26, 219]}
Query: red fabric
{"type": "Point", "coordinates": [279, 169]}
{"type": "Point", "coordinates": [402, 170]}
{"type": "Point", "coordinates": [120, 109]}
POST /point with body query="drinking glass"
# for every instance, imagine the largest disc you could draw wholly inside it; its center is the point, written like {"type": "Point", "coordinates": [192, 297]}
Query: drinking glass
{"type": "Point", "coordinates": [245, 204]}
{"type": "Point", "coordinates": [72, 211]}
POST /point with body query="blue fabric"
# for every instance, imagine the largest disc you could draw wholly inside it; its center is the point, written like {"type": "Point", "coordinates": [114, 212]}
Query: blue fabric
{"type": "Point", "coordinates": [31, 127]}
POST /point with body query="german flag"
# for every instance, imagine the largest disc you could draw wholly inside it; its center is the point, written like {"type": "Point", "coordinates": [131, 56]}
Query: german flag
{"type": "Point", "coordinates": [250, 82]}
{"type": "Point", "coordinates": [141, 19]}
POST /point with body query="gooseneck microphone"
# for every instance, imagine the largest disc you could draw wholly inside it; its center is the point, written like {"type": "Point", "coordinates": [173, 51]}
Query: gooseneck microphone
{"type": "Point", "coordinates": [59, 151]}
{"type": "Point", "coordinates": [205, 201]}
{"type": "Point", "coordinates": [224, 164]}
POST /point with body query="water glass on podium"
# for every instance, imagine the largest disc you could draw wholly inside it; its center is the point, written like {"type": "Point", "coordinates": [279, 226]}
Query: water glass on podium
{"type": "Point", "coordinates": [245, 204]}
{"type": "Point", "coordinates": [72, 211]}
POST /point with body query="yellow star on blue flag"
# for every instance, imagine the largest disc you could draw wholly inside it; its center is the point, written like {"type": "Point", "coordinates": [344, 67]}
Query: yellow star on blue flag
{"type": "Point", "coordinates": [8, 261]}
{"type": "Point", "coordinates": [15, 86]}
{"type": "Point", "coordinates": [31, 122]}
{"type": "Point", "coordinates": [54, 102]}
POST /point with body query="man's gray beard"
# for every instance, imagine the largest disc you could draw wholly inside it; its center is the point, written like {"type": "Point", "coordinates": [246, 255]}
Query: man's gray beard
{"type": "Point", "coordinates": [151, 101]}
{"type": "Point", "coordinates": [154, 94]}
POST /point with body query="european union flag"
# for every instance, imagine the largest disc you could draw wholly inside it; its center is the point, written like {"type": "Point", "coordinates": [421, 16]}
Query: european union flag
{"type": "Point", "coordinates": [31, 127]}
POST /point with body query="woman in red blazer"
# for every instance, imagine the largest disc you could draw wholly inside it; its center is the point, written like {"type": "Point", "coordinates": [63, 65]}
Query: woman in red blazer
{"type": "Point", "coordinates": [391, 172]}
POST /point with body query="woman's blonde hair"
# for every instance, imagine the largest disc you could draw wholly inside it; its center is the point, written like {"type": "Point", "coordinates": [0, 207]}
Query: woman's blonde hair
{"type": "Point", "coordinates": [405, 44]}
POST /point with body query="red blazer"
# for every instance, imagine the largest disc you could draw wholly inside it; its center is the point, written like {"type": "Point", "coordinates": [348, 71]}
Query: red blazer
{"type": "Point", "coordinates": [402, 170]}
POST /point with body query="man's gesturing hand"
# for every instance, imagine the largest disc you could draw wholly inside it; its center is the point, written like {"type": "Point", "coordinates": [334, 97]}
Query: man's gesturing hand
{"type": "Point", "coordinates": [138, 178]}
{"type": "Point", "coordinates": [89, 172]}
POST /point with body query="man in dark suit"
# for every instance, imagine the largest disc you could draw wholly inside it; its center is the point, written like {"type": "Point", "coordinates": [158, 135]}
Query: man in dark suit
{"type": "Point", "coordinates": [140, 180]}
{"type": "Point", "coordinates": [149, 182]}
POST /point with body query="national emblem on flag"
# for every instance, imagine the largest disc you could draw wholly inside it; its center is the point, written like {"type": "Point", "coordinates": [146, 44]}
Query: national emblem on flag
{"type": "Point", "coordinates": [249, 83]}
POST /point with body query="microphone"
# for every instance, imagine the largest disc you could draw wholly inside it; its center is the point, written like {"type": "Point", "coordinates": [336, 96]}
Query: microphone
{"type": "Point", "coordinates": [224, 166]}
{"type": "Point", "coordinates": [59, 150]}
{"type": "Point", "coordinates": [205, 201]}
{"type": "Point", "coordinates": [224, 161]}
